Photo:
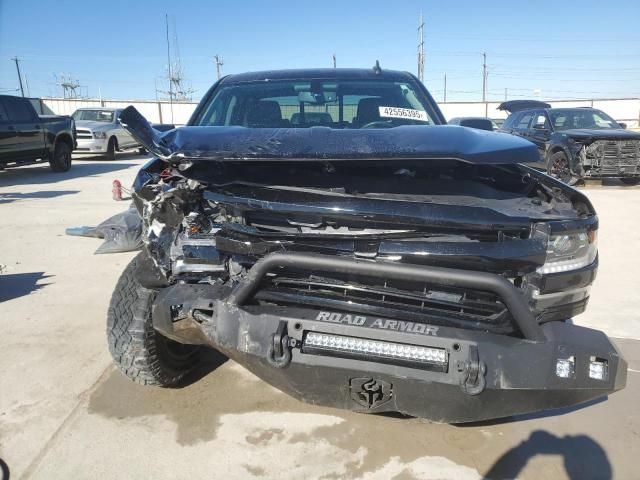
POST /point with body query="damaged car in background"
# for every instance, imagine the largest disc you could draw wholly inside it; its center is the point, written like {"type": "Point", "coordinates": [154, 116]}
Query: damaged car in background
{"type": "Point", "coordinates": [576, 143]}
{"type": "Point", "coordinates": [328, 231]}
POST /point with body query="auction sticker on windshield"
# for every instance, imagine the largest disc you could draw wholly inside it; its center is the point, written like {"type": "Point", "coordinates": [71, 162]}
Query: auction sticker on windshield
{"type": "Point", "coordinates": [409, 113]}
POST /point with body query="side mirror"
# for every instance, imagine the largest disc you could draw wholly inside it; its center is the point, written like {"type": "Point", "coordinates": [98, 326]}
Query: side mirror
{"type": "Point", "coordinates": [541, 127]}
{"type": "Point", "coordinates": [622, 125]}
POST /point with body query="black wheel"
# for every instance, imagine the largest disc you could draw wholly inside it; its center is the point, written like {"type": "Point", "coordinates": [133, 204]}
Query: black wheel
{"type": "Point", "coordinates": [144, 355]}
{"type": "Point", "coordinates": [630, 180]}
{"type": "Point", "coordinates": [558, 167]}
{"type": "Point", "coordinates": [112, 146]}
{"type": "Point", "coordinates": [61, 159]}
{"type": "Point", "coordinates": [142, 151]}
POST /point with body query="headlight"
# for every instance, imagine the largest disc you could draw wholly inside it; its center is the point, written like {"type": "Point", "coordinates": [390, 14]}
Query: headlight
{"type": "Point", "coordinates": [100, 135]}
{"type": "Point", "coordinates": [570, 251]}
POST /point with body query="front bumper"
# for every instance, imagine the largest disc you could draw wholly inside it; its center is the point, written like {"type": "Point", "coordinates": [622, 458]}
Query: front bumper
{"type": "Point", "coordinates": [483, 376]}
{"type": "Point", "coordinates": [91, 145]}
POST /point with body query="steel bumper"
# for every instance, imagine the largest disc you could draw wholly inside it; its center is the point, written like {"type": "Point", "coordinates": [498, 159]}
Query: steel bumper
{"type": "Point", "coordinates": [480, 376]}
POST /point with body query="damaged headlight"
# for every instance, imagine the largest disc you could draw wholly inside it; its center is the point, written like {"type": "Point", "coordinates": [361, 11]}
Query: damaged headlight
{"type": "Point", "coordinates": [570, 251]}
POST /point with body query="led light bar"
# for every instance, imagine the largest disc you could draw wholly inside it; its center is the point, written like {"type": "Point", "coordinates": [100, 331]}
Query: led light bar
{"type": "Point", "coordinates": [378, 350]}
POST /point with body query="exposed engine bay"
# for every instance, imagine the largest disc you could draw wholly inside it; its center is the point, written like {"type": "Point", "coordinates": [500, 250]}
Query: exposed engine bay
{"type": "Point", "coordinates": [213, 226]}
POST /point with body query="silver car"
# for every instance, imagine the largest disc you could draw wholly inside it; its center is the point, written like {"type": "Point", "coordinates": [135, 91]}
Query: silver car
{"type": "Point", "coordinates": [99, 131]}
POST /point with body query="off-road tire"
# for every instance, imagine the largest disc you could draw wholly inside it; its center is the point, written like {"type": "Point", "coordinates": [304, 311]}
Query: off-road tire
{"type": "Point", "coordinates": [558, 167]}
{"type": "Point", "coordinates": [60, 161]}
{"type": "Point", "coordinates": [630, 180]}
{"type": "Point", "coordinates": [143, 354]}
{"type": "Point", "coordinates": [112, 146]}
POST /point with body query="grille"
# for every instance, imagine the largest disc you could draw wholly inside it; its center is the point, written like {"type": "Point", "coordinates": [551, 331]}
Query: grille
{"type": "Point", "coordinates": [83, 133]}
{"type": "Point", "coordinates": [435, 305]}
{"type": "Point", "coordinates": [616, 156]}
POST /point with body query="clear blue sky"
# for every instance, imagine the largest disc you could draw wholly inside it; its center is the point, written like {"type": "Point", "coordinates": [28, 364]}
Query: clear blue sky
{"type": "Point", "coordinates": [576, 49]}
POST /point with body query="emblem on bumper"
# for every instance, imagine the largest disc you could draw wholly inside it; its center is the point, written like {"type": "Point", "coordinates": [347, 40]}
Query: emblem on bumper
{"type": "Point", "coordinates": [369, 392]}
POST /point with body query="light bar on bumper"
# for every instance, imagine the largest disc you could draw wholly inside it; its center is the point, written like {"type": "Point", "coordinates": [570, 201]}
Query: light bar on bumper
{"type": "Point", "coordinates": [367, 349]}
{"type": "Point", "coordinates": [570, 251]}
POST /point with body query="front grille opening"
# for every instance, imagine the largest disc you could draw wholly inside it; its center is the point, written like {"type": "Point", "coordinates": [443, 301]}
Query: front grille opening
{"type": "Point", "coordinates": [422, 303]}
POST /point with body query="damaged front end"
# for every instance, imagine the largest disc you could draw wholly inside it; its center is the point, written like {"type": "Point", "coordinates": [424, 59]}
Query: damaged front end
{"type": "Point", "coordinates": [599, 158]}
{"type": "Point", "coordinates": [426, 283]}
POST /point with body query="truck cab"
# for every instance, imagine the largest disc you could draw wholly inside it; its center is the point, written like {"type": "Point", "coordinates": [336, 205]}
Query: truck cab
{"type": "Point", "coordinates": [26, 137]}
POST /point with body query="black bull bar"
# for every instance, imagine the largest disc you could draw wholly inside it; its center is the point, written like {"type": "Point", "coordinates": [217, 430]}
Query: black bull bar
{"type": "Point", "coordinates": [373, 365]}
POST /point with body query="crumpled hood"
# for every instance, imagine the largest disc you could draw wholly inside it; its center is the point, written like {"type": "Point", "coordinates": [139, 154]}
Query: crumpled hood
{"type": "Point", "coordinates": [406, 142]}
{"type": "Point", "coordinates": [599, 133]}
{"type": "Point", "coordinates": [92, 125]}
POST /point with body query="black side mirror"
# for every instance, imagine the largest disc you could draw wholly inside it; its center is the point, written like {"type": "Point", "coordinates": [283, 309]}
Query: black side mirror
{"type": "Point", "coordinates": [541, 127]}
{"type": "Point", "coordinates": [622, 125]}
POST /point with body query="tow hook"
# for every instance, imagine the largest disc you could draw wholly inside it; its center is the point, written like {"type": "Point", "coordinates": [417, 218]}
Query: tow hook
{"type": "Point", "coordinates": [279, 354]}
{"type": "Point", "coordinates": [473, 372]}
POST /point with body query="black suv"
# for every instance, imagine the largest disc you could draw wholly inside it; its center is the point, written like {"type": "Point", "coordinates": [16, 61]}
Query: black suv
{"type": "Point", "coordinates": [327, 230]}
{"type": "Point", "coordinates": [576, 143]}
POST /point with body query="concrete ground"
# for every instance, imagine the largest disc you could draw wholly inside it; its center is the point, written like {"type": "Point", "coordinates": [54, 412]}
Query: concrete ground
{"type": "Point", "coordinates": [66, 413]}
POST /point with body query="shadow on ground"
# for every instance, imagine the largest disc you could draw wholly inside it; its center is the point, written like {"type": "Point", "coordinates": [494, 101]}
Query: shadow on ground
{"type": "Point", "coordinates": [15, 285]}
{"type": "Point", "coordinates": [13, 196]}
{"type": "Point", "coordinates": [40, 174]}
{"type": "Point", "coordinates": [583, 457]}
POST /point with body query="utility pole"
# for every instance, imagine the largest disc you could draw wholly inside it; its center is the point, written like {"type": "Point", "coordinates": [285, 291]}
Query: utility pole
{"type": "Point", "coordinates": [421, 49]}
{"type": "Point", "coordinates": [219, 63]}
{"type": "Point", "coordinates": [17, 60]}
{"type": "Point", "coordinates": [445, 87]}
{"type": "Point", "coordinates": [334, 60]}
{"type": "Point", "coordinates": [484, 77]}
{"type": "Point", "coordinates": [166, 21]}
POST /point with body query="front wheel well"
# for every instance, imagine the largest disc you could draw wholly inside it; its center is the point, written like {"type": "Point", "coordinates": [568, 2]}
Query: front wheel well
{"type": "Point", "coordinates": [66, 138]}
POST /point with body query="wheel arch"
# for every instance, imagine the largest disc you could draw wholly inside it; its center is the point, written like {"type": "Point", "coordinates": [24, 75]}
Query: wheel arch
{"type": "Point", "coordinates": [65, 138]}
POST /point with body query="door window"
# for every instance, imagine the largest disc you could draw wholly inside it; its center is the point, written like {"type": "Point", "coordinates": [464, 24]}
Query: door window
{"type": "Point", "coordinates": [17, 109]}
{"type": "Point", "coordinates": [524, 121]}
{"type": "Point", "coordinates": [541, 121]}
{"type": "Point", "coordinates": [3, 114]}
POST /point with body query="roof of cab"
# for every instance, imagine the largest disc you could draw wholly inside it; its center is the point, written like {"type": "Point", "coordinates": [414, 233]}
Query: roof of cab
{"type": "Point", "coordinates": [320, 73]}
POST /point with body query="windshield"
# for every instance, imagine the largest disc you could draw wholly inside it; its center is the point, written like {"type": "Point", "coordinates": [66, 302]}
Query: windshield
{"type": "Point", "coordinates": [308, 103]}
{"type": "Point", "coordinates": [94, 115]}
{"type": "Point", "coordinates": [569, 118]}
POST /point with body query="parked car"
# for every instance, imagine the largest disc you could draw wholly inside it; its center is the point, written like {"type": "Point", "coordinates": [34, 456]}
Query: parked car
{"type": "Point", "coordinates": [26, 137]}
{"type": "Point", "coordinates": [381, 262]}
{"type": "Point", "coordinates": [576, 143]}
{"type": "Point", "coordinates": [480, 123]}
{"type": "Point", "coordinates": [100, 132]}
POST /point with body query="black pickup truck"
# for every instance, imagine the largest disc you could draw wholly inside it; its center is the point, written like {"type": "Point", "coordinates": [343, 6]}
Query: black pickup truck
{"type": "Point", "coordinates": [26, 137]}
{"type": "Point", "coordinates": [327, 230]}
